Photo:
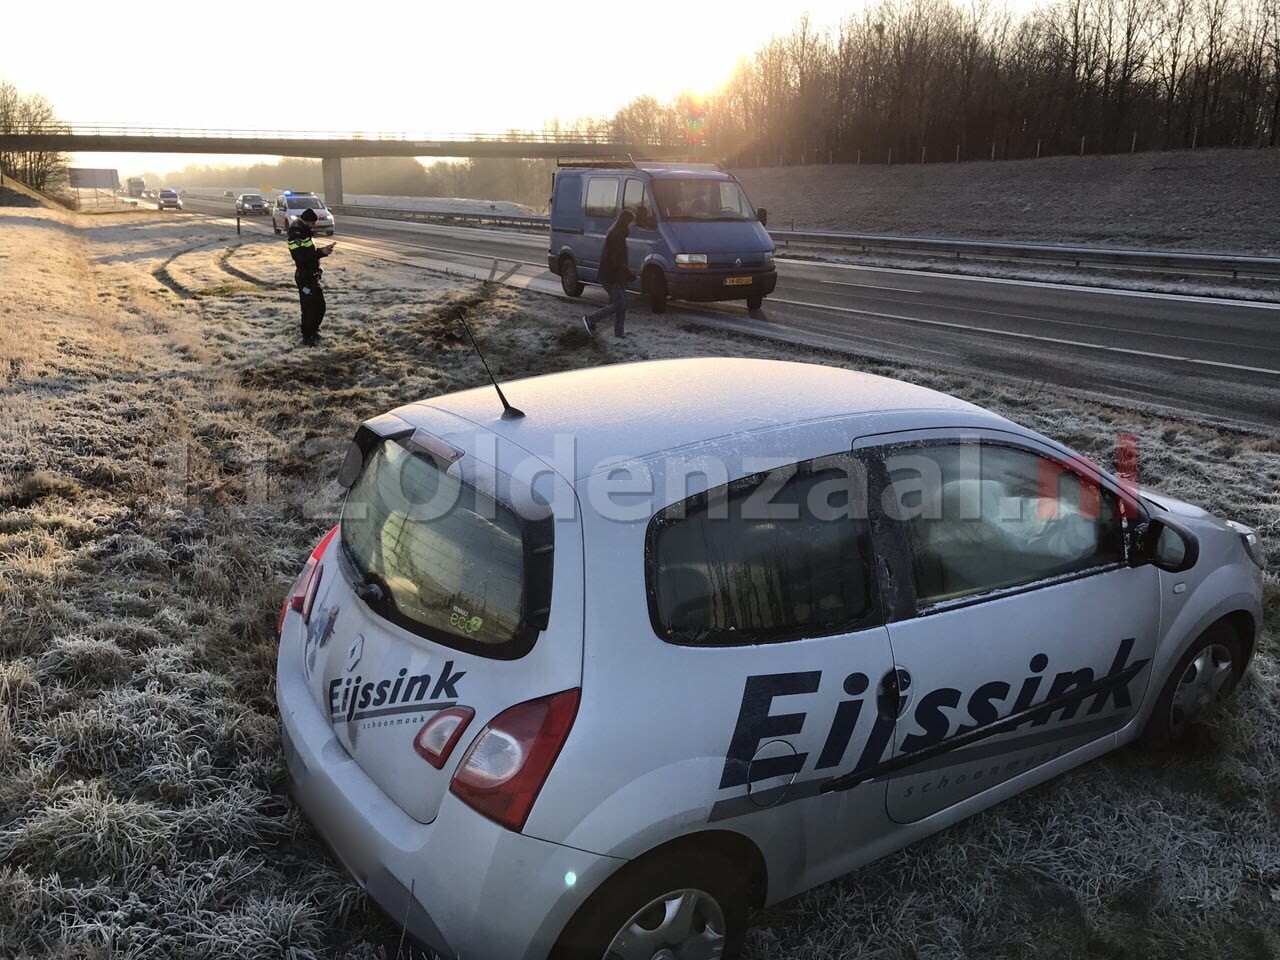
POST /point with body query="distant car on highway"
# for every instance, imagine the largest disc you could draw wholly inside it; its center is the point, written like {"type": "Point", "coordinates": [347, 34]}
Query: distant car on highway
{"type": "Point", "coordinates": [695, 237]}
{"type": "Point", "coordinates": [251, 203]}
{"type": "Point", "coordinates": [169, 200]}
{"type": "Point", "coordinates": [289, 206]}
{"type": "Point", "coordinates": [227, 193]}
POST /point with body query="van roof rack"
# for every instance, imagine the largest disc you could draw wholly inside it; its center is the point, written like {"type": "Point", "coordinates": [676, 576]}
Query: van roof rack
{"type": "Point", "coordinates": [682, 162]}
{"type": "Point", "coordinates": [603, 160]}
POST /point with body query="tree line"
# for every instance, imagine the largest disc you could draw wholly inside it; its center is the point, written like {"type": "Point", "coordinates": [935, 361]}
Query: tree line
{"type": "Point", "coordinates": [943, 80]}
{"type": "Point", "coordinates": [19, 113]}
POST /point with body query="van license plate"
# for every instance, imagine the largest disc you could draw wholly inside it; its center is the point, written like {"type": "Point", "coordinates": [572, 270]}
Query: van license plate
{"type": "Point", "coordinates": [737, 281]}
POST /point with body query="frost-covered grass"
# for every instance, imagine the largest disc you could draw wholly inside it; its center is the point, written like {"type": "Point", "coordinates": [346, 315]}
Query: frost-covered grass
{"type": "Point", "coordinates": [162, 436]}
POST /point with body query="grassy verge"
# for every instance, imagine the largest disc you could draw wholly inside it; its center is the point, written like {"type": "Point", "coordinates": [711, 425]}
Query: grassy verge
{"type": "Point", "coordinates": [161, 456]}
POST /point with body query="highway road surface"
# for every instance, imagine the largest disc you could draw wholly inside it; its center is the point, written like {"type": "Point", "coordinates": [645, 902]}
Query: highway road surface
{"type": "Point", "coordinates": [1214, 360]}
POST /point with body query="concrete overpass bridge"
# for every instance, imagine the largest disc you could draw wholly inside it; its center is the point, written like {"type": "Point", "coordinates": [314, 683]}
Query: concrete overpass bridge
{"type": "Point", "coordinates": [329, 147]}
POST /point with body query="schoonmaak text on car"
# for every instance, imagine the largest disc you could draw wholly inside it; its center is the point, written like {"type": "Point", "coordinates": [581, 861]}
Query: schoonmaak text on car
{"type": "Point", "coordinates": [693, 636]}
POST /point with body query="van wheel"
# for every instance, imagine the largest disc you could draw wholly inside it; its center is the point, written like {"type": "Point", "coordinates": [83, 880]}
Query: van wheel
{"type": "Point", "coordinates": [655, 288]}
{"type": "Point", "coordinates": [755, 301]}
{"type": "Point", "coordinates": [1204, 677]}
{"type": "Point", "coordinates": [666, 906]}
{"type": "Point", "coordinates": [569, 281]}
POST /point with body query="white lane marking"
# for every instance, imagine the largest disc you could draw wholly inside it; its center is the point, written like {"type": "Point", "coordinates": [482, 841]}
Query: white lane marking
{"type": "Point", "coordinates": [1042, 284]}
{"type": "Point", "coordinates": [1061, 323]}
{"type": "Point", "coordinates": [1033, 336]}
{"type": "Point", "coordinates": [870, 286]}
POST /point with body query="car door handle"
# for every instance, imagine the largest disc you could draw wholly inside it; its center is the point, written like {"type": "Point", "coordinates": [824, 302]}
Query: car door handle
{"type": "Point", "coordinates": [892, 695]}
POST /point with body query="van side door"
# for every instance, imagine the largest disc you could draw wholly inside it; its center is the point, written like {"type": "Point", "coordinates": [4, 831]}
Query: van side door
{"type": "Point", "coordinates": [644, 236]}
{"type": "Point", "coordinates": [601, 209]}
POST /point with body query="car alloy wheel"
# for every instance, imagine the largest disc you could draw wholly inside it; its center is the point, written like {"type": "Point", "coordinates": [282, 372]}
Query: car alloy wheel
{"type": "Point", "coordinates": [1204, 681]}
{"type": "Point", "coordinates": [679, 925]}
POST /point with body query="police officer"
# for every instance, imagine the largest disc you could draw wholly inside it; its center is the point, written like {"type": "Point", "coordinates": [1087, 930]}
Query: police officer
{"type": "Point", "coordinates": [306, 258]}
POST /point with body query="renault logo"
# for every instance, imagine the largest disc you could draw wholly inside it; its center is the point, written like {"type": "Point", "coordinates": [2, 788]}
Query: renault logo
{"type": "Point", "coordinates": [738, 262]}
{"type": "Point", "coordinates": [355, 652]}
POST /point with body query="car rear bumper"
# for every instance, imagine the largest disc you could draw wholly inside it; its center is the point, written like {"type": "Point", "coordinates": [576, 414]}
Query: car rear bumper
{"type": "Point", "coordinates": [461, 885]}
{"type": "Point", "coordinates": [710, 286]}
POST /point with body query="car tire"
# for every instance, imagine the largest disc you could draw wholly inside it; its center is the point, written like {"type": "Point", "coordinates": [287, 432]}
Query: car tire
{"type": "Point", "coordinates": [569, 281]}
{"type": "Point", "coordinates": [755, 301]}
{"type": "Point", "coordinates": [654, 287]}
{"type": "Point", "coordinates": [711, 893]}
{"type": "Point", "coordinates": [1205, 676]}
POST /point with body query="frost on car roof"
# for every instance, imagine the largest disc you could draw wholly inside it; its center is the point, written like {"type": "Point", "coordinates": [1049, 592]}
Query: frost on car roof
{"type": "Point", "coordinates": [632, 409]}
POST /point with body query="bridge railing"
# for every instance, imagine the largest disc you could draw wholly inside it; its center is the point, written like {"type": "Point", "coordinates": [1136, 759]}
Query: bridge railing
{"type": "Point", "coordinates": [505, 136]}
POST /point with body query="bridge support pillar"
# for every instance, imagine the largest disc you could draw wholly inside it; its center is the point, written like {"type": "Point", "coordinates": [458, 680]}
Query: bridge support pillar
{"type": "Point", "coordinates": [331, 169]}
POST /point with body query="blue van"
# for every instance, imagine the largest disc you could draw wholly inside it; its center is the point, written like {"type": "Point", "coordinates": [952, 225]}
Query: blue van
{"type": "Point", "coordinates": [695, 236]}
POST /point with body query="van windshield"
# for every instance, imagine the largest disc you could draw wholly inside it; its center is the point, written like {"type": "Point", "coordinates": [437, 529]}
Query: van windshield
{"type": "Point", "coordinates": [449, 559]}
{"type": "Point", "coordinates": [702, 200]}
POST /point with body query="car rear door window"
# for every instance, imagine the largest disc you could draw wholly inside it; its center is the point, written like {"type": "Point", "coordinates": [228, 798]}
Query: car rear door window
{"type": "Point", "coordinates": [602, 196]}
{"type": "Point", "coordinates": [742, 564]}
{"type": "Point", "coordinates": [983, 517]}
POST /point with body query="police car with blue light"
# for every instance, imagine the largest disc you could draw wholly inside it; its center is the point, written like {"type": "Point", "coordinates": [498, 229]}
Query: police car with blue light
{"type": "Point", "coordinates": [593, 677]}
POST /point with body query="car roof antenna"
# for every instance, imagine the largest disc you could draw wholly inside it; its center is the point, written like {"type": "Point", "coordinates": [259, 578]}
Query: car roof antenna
{"type": "Point", "coordinates": [508, 411]}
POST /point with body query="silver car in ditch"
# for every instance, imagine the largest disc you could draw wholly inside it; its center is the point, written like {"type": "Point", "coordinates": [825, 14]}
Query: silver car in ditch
{"type": "Point", "coordinates": [691, 636]}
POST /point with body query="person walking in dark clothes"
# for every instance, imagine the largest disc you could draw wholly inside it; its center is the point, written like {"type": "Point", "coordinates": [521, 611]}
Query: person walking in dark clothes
{"type": "Point", "coordinates": [614, 275]}
{"type": "Point", "coordinates": [306, 258]}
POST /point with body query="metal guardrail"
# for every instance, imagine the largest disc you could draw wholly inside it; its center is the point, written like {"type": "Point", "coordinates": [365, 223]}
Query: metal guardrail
{"type": "Point", "coordinates": [443, 216]}
{"type": "Point", "coordinates": [1212, 263]}
{"type": "Point", "coordinates": [1216, 263]}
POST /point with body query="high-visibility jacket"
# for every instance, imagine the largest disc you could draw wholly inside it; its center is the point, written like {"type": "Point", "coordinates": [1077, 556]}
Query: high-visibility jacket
{"type": "Point", "coordinates": [302, 248]}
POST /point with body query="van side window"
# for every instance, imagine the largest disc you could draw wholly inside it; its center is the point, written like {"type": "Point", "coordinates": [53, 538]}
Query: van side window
{"type": "Point", "coordinates": [755, 562]}
{"type": "Point", "coordinates": [633, 196]}
{"type": "Point", "coordinates": [982, 516]}
{"type": "Point", "coordinates": [602, 197]}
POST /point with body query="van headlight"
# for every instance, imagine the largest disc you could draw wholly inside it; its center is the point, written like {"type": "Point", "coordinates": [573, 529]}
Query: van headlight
{"type": "Point", "coordinates": [691, 259]}
{"type": "Point", "coordinates": [1249, 538]}
{"type": "Point", "coordinates": [768, 259]}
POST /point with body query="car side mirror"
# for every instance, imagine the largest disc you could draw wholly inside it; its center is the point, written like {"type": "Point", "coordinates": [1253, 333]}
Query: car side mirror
{"type": "Point", "coordinates": [763, 216]}
{"type": "Point", "coordinates": [1166, 546]}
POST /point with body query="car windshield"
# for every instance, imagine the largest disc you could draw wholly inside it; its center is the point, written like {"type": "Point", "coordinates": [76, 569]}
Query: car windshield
{"type": "Point", "coordinates": [167, 193]}
{"type": "Point", "coordinates": [458, 572]}
{"type": "Point", "coordinates": [702, 200]}
{"type": "Point", "coordinates": [303, 203]}
{"type": "Point", "coordinates": [252, 196]}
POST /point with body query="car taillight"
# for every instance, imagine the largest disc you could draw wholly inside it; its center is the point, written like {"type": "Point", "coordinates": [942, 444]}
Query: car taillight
{"type": "Point", "coordinates": [303, 594]}
{"type": "Point", "coordinates": [439, 735]}
{"type": "Point", "coordinates": [504, 769]}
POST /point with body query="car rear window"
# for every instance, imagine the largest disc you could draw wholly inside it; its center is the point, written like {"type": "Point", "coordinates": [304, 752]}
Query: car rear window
{"type": "Point", "coordinates": [450, 560]}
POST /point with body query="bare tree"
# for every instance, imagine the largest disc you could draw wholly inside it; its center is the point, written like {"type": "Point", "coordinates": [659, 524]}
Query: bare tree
{"type": "Point", "coordinates": [40, 170]}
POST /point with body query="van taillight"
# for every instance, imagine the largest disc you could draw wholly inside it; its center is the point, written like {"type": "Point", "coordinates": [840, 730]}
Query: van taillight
{"type": "Point", "coordinates": [439, 735]}
{"type": "Point", "coordinates": [504, 769]}
{"type": "Point", "coordinates": [303, 594]}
